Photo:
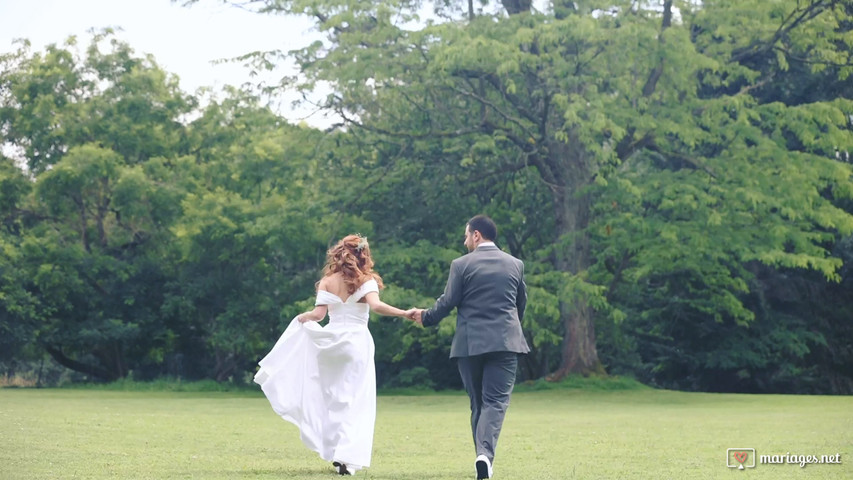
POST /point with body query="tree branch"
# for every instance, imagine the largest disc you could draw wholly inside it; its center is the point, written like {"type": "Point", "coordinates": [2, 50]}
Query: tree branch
{"type": "Point", "coordinates": [497, 110]}
{"type": "Point", "coordinates": [811, 62]}
{"type": "Point", "coordinates": [68, 362]}
{"type": "Point", "coordinates": [654, 76]}
{"type": "Point", "coordinates": [415, 136]}
{"type": "Point", "coordinates": [512, 99]}
{"type": "Point", "coordinates": [617, 275]}
{"type": "Point", "coordinates": [811, 11]}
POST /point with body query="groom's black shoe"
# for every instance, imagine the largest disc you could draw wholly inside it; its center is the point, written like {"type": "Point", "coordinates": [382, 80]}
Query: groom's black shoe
{"type": "Point", "coordinates": [484, 468]}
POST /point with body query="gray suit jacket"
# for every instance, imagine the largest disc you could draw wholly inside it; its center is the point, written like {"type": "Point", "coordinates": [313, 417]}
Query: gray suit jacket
{"type": "Point", "coordinates": [487, 288]}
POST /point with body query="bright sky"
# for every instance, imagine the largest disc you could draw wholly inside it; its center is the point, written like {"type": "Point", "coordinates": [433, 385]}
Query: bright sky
{"type": "Point", "coordinates": [183, 40]}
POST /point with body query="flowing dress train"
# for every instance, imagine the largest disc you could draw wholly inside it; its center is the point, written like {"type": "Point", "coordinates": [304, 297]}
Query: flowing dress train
{"type": "Point", "coordinates": [323, 379]}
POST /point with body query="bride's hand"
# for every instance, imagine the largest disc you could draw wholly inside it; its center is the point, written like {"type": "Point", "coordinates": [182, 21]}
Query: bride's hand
{"type": "Point", "coordinates": [414, 314]}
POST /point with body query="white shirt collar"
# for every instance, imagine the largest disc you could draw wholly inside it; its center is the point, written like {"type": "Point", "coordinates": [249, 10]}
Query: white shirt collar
{"type": "Point", "coordinates": [486, 244]}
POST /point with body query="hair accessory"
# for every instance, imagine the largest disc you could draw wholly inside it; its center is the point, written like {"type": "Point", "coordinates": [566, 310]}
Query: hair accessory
{"type": "Point", "coordinates": [361, 244]}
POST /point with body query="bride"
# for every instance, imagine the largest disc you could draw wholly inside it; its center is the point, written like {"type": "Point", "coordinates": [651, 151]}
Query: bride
{"type": "Point", "coordinates": [323, 379]}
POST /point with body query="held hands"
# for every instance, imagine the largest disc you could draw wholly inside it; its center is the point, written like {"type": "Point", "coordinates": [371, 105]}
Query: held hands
{"type": "Point", "coordinates": [416, 315]}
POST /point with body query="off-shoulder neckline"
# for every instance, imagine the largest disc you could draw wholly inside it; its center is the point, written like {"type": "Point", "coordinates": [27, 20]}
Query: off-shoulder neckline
{"type": "Point", "coordinates": [353, 294]}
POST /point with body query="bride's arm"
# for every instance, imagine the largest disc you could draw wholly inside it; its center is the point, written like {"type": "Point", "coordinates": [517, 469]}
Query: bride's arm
{"type": "Point", "coordinates": [382, 308]}
{"type": "Point", "coordinates": [319, 313]}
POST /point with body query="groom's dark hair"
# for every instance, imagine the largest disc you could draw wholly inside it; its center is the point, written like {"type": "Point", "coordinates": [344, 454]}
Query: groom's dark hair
{"type": "Point", "coordinates": [484, 225]}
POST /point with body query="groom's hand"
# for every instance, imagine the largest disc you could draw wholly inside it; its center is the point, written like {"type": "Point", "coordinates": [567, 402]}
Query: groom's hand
{"type": "Point", "coordinates": [418, 316]}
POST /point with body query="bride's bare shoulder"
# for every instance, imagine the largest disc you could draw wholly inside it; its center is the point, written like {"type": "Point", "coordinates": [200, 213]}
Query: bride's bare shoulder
{"type": "Point", "coordinates": [332, 283]}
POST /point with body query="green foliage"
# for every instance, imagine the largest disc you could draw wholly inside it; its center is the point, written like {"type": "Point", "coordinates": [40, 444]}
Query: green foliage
{"type": "Point", "coordinates": [18, 310]}
{"type": "Point", "coordinates": [664, 177]}
{"type": "Point", "coordinates": [60, 98]}
{"type": "Point", "coordinates": [592, 383]}
{"type": "Point", "coordinates": [418, 377]}
{"type": "Point", "coordinates": [669, 168]}
{"type": "Point", "coordinates": [165, 384]}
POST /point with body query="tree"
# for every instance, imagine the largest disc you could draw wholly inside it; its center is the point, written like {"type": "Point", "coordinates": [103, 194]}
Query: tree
{"type": "Point", "coordinates": [59, 98]}
{"type": "Point", "coordinates": [251, 235]}
{"type": "Point", "coordinates": [96, 222]}
{"type": "Point", "coordinates": [18, 309]}
{"type": "Point", "coordinates": [596, 94]}
{"type": "Point", "coordinates": [761, 190]}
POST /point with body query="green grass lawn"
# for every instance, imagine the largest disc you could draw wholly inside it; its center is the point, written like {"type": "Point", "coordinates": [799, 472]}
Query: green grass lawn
{"type": "Point", "coordinates": [554, 434]}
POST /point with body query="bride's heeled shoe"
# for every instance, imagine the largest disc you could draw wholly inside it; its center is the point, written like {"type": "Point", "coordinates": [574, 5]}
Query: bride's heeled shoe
{"type": "Point", "coordinates": [341, 468]}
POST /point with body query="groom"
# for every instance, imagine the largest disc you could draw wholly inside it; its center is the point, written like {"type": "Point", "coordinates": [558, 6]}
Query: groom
{"type": "Point", "coordinates": [487, 288]}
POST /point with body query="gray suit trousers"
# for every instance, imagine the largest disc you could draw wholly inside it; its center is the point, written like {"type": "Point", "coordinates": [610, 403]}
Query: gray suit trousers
{"type": "Point", "coordinates": [488, 379]}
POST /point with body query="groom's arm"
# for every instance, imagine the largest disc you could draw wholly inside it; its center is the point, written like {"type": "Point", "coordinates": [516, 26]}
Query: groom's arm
{"type": "Point", "coordinates": [448, 300]}
{"type": "Point", "coordinates": [521, 295]}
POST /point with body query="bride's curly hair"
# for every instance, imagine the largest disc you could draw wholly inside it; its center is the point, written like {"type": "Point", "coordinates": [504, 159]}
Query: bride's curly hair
{"type": "Point", "coordinates": [351, 258]}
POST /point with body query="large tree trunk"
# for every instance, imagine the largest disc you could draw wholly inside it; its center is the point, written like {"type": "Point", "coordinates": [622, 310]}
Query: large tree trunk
{"type": "Point", "coordinates": [572, 172]}
{"type": "Point", "coordinates": [225, 365]}
{"type": "Point", "coordinates": [517, 6]}
{"type": "Point", "coordinates": [568, 170]}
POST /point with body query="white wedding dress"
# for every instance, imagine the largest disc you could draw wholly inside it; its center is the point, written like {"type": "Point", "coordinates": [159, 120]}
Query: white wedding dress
{"type": "Point", "coordinates": [323, 379]}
